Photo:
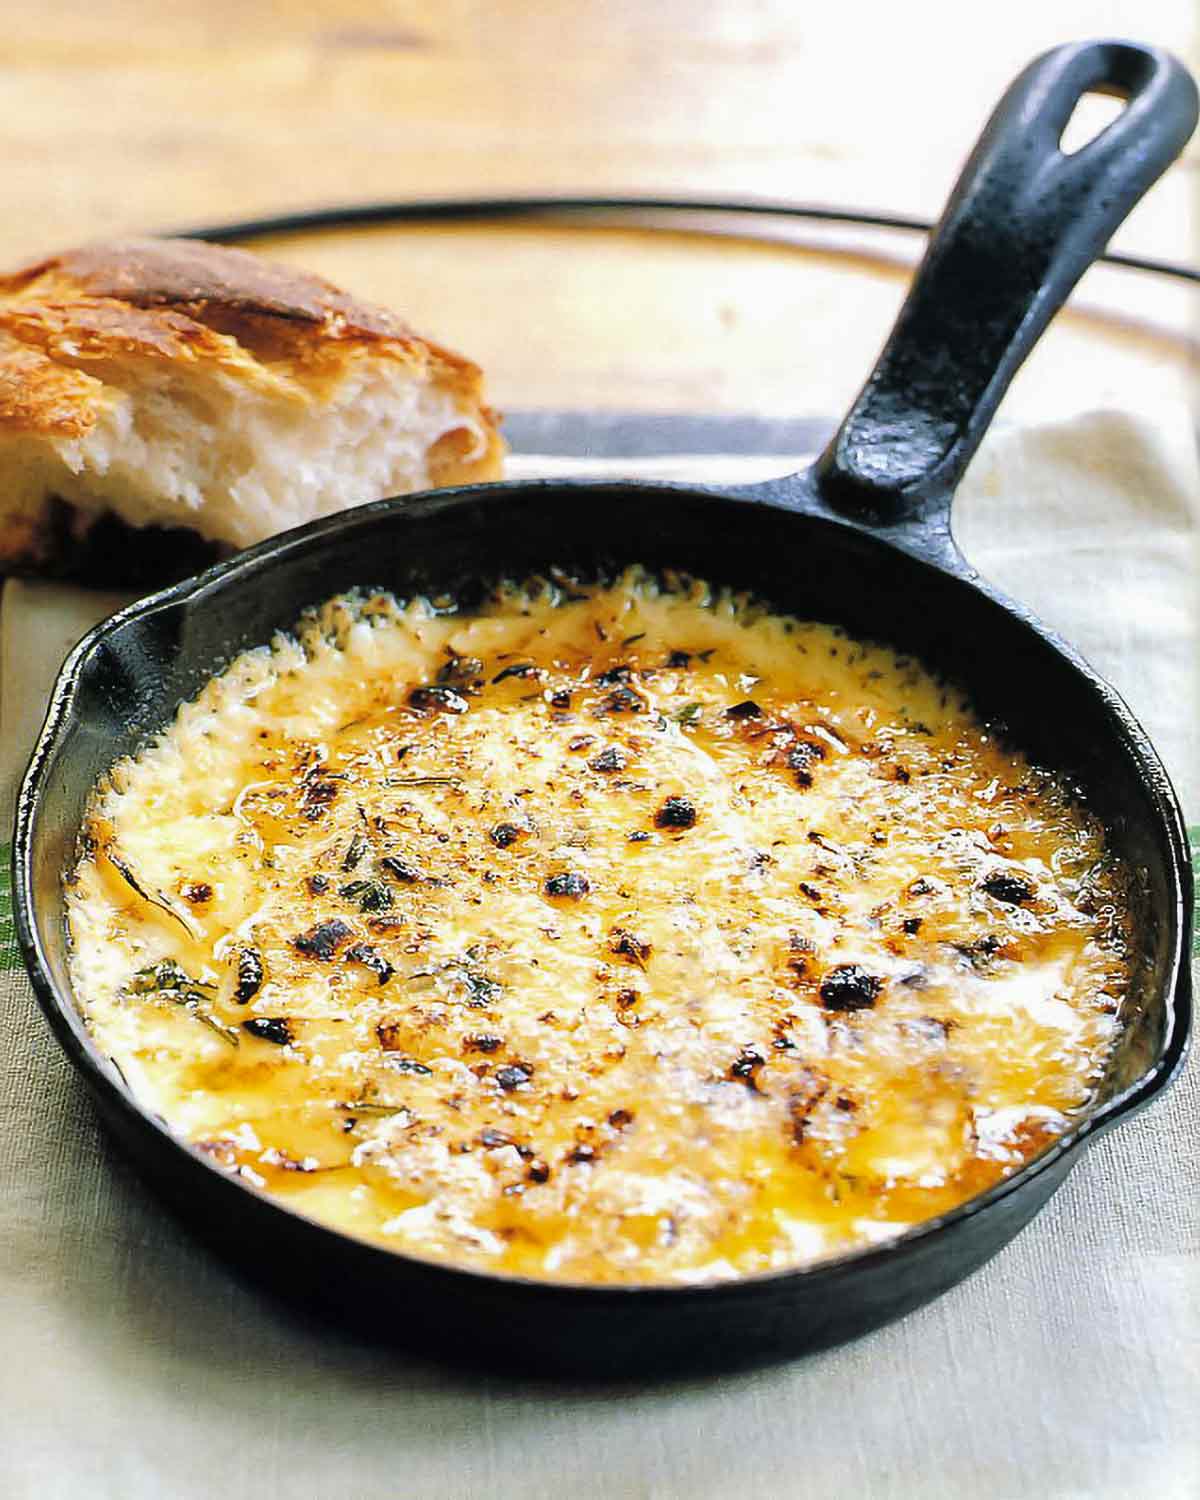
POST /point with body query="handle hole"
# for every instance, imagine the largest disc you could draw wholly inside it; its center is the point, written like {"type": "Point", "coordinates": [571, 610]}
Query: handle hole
{"type": "Point", "coordinates": [1090, 118]}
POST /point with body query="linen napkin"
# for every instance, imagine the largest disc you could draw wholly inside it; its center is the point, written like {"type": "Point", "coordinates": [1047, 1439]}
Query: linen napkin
{"type": "Point", "coordinates": [136, 1365]}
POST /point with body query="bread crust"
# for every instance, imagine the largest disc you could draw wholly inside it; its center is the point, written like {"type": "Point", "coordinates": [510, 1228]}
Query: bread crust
{"type": "Point", "coordinates": [174, 303]}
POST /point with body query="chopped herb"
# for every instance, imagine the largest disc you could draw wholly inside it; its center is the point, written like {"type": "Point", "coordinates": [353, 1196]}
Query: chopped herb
{"type": "Point", "coordinates": [354, 853]}
{"type": "Point", "coordinates": [688, 715]}
{"type": "Point", "coordinates": [401, 870]}
{"type": "Point", "coordinates": [167, 983]}
{"type": "Point", "coordinates": [504, 834]}
{"type": "Point", "coordinates": [679, 659]}
{"type": "Point", "coordinates": [454, 781]}
{"type": "Point", "coordinates": [317, 884]}
{"type": "Point", "coordinates": [369, 1107]}
{"type": "Point", "coordinates": [155, 898]}
{"type": "Point", "coordinates": [197, 892]}
{"type": "Point", "coordinates": [481, 991]}
{"type": "Point", "coordinates": [518, 669]}
{"type": "Point", "coordinates": [569, 884]}
{"type": "Point", "coordinates": [368, 895]}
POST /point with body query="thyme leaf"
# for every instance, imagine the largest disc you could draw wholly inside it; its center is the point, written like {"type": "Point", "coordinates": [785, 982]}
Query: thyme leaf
{"type": "Point", "coordinates": [165, 983]}
{"type": "Point", "coordinates": [155, 898]}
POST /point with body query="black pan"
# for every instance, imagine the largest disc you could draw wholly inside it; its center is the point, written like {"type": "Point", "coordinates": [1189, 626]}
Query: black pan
{"type": "Point", "coordinates": [864, 539]}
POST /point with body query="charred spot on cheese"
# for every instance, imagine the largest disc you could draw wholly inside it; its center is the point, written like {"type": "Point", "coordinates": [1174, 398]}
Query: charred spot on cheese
{"type": "Point", "coordinates": [250, 975]}
{"type": "Point", "coordinates": [507, 876]}
{"type": "Point", "coordinates": [276, 1029]}
{"type": "Point", "coordinates": [482, 1041]}
{"type": "Point", "coordinates": [517, 669]}
{"type": "Point", "coordinates": [850, 987]}
{"type": "Point", "coordinates": [611, 758]}
{"type": "Point", "coordinates": [630, 947]}
{"type": "Point", "coordinates": [745, 1068]}
{"type": "Point", "coordinates": [800, 756]}
{"type": "Point", "coordinates": [463, 672]}
{"type": "Point", "coordinates": [676, 812]}
{"type": "Point", "coordinates": [808, 1088]}
{"type": "Point", "coordinates": [1008, 886]}
{"type": "Point", "coordinates": [746, 709]}
{"type": "Point", "coordinates": [437, 698]}
{"type": "Point", "coordinates": [315, 796]}
{"type": "Point", "coordinates": [622, 700]}
{"type": "Point", "coordinates": [369, 958]}
{"type": "Point", "coordinates": [323, 940]}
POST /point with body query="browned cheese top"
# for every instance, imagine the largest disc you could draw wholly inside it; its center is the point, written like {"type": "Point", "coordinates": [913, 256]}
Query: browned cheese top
{"type": "Point", "coordinates": [606, 933]}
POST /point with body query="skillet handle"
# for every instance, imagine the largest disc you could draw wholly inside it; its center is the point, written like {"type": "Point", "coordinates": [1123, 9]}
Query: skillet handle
{"type": "Point", "coordinates": [1022, 225]}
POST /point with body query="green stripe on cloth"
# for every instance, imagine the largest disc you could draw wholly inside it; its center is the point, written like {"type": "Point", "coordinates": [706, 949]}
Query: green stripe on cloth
{"type": "Point", "coordinates": [1194, 841]}
{"type": "Point", "coordinates": [9, 957]}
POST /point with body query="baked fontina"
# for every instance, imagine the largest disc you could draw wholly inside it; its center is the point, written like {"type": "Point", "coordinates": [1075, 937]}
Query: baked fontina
{"type": "Point", "coordinates": [605, 933]}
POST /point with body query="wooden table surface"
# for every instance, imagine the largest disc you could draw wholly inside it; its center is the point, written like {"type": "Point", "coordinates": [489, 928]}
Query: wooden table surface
{"type": "Point", "coordinates": [119, 116]}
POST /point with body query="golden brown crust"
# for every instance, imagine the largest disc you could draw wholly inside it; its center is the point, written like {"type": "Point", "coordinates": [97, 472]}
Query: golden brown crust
{"type": "Point", "coordinates": [193, 277]}
{"type": "Point", "coordinates": [38, 395]}
{"type": "Point", "coordinates": [189, 302]}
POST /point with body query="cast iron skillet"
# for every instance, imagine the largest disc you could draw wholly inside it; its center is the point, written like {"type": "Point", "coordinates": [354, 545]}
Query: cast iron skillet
{"type": "Point", "coordinates": [863, 538]}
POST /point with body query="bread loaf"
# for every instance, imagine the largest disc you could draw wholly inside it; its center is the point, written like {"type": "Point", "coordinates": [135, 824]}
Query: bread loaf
{"type": "Point", "coordinates": [206, 399]}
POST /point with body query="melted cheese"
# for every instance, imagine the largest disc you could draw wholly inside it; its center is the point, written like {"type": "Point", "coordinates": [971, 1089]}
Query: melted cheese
{"type": "Point", "coordinates": [618, 933]}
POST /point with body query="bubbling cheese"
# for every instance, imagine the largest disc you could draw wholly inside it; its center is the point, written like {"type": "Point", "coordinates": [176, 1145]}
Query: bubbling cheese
{"type": "Point", "coordinates": [604, 933]}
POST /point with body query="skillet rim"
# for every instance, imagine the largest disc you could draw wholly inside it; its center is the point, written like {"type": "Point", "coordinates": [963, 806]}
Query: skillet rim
{"type": "Point", "coordinates": [924, 540]}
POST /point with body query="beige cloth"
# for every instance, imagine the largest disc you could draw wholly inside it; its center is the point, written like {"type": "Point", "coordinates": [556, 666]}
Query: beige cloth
{"type": "Point", "coordinates": [136, 1366]}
